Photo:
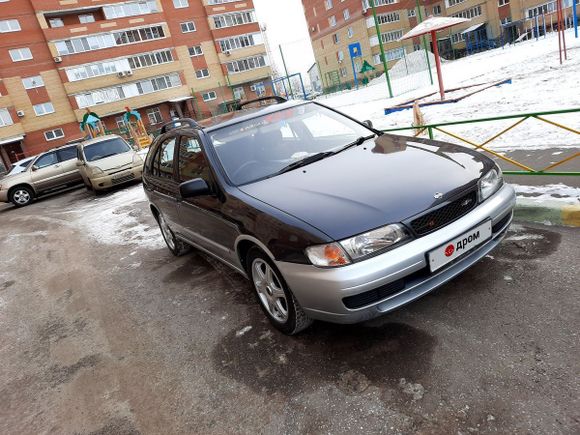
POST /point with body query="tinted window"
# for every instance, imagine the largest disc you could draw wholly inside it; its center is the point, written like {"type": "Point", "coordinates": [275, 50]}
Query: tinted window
{"type": "Point", "coordinates": [46, 160]}
{"type": "Point", "coordinates": [106, 148]}
{"type": "Point", "coordinates": [164, 159]}
{"type": "Point", "coordinates": [67, 153]}
{"type": "Point", "coordinates": [192, 163]}
{"type": "Point", "coordinates": [20, 166]}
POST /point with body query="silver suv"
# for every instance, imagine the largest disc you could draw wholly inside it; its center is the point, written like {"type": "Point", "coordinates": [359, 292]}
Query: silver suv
{"type": "Point", "coordinates": [49, 171]}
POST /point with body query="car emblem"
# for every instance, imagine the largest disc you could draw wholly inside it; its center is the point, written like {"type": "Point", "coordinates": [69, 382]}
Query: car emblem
{"type": "Point", "coordinates": [466, 202]}
{"type": "Point", "coordinates": [437, 195]}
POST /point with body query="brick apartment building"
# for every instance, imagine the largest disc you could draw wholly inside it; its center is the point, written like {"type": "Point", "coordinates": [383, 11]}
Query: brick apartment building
{"type": "Point", "coordinates": [335, 24]}
{"type": "Point", "coordinates": [164, 58]}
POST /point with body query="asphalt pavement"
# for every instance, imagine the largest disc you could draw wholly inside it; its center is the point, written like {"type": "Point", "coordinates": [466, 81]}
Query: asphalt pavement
{"type": "Point", "coordinates": [105, 332]}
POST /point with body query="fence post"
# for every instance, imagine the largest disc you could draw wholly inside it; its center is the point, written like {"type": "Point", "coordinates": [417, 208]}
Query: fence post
{"type": "Point", "coordinates": [430, 130]}
{"type": "Point", "coordinates": [385, 66]}
{"type": "Point", "coordinates": [575, 12]}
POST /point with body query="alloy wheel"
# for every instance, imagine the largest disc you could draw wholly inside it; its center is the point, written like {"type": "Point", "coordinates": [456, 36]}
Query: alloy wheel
{"type": "Point", "coordinates": [21, 196]}
{"type": "Point", "coordinates": [270, 290]}
{"type": "Point", "coordinates": [167, 234]}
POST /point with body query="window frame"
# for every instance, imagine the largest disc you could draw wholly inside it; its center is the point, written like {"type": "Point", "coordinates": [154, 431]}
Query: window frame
{"type": "Point", "coordinates": [186, 28]}
{"type": "Point", "coordinates": [64, 149]}
{"type": "Point", "coordinates": [185, 136]}
{"type": "Point", "coordinates": [10, 29]}
{"type": "Point", "coordinates": [19, 50]}
{"type": "Point", "coordinates": [44, 155]}
{"type": "Point", "coordinates": [55, 137]}
{"type": "Point", "coordinates": [43, 108]}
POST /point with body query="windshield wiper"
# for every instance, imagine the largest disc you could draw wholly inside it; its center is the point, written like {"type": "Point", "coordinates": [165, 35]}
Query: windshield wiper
{"type": "Point", "coordinates": [356, 142]}
{"type": "Point", "coordinates": [305, 161]}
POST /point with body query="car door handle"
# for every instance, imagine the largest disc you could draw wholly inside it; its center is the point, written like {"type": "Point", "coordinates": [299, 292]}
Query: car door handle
{"type": "Point", "coordinates": [57, 166]}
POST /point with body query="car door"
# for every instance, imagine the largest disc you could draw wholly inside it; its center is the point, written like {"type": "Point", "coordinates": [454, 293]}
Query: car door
{"type": "Point", "coordinates": [201, 218]}
{"type": "Point", "coordinates": [46, 172]}
{"type": "Point", "coordinates": [68, 162]}
{"type": "Point", "coordinates": [162, 182]}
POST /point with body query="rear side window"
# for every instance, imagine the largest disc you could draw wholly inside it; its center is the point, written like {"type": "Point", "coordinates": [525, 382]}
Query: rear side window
{"type": "Point", "coordinates": [163, 162]}
{"type": "Point", "coordinates": [67, 154]}
{"type": "Point", "coordinates": [192, 163]}
{"type": "Point", "coordinates": [46, 160]}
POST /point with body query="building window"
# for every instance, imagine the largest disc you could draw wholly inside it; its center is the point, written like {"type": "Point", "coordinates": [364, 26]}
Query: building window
{"type": "Point", "coordinates": [457, 37]}
{"type": "Point", "coordinates": [219, 2]}
{"type": "Point", "coordinates": [208, 96]}
{"type": "Point", "coordinates": [388, 18]}
{"type": "Point", "coordinates": [397, 53]}
{"type": "Point", "coordinates": [343, 72]}
{"type": "Point", "coordinates": [239, 93]}
{"type": "Point", "coordinates": [57, 133]}
{"type": "Point", "coordinates": [43, 108]}
{"type": "Point", "coordinates": [416, 47]}
{"type": "Point", "coordinates": [150, 59]}
{"type": "Point", "coordinates": [117, 93]}
{"type": "Point", "coordinates": [233, 19]}
{"type": "Point", "coordinates": [187, 27]}
{"type": "Point", "coordinates": [120, 121]}
{"type": "Point", "coordinates": [503, 2]}
{"type": "Point", "coordinates": [5, 118]}
{"type": "Point", "coordinates": [391, 36]}
{"type": "Point", "coordinates": [437, 9]}
{"type": "Point", "coordinates": [247, 64]}
{"type": "Point", "coordinates": [202, 73]}
{"type": "Point", "coordinates": [340, 55]}
{"type": "Point", "coordinates": [32, 82]}
{"type": "Point", "coordinates": [469, 13]}
{"type": "Point", "coordinates": [378, 3]}
{"type": "Point", "coordinates": [130, 9]}
{"type": "Point", "coordinates": [180, 4]}
{"type": "Point", "coordinates": [346, 14]}
{"type": "Point", "coordinates": [20, 54]}
{"type": "Point", "coordinates": [335, 38]}
{"type": "Point", "coordinates": [242, 41]}
{"type": "Point", "coordinates": [107, 40]}
{"type": "Point", "coordinates": [56, 22]}
{"type": "Point", "coordinates": [332, 21]}
{"type": "Point", "coordinates": [196, 50]}
{"type": "Point", "coordinates": [154, 116]}
{"type": "Point", "coordinates": [328, 4]}
{"type": "Point", "coordinates": [350, 32]}
{"type": "Point", "coordinates": [411, 13]}
{"type": "Point", "coordinates": [9, 26]}
{"type": "Point", "coordinates": [86, 18]}
{"type": "Point", "coordinates": [450, 3]}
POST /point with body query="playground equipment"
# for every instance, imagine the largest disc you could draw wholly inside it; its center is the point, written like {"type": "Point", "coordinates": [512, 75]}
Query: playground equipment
{"type": "Point", "coordinates": [136, 128]}
{"type": "Point", "coordinates": [274, 83]}
{"type": "Point", "coordinates": [91, 125]}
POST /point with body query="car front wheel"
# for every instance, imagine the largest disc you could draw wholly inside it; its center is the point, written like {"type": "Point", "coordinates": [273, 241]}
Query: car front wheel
{"type": "Point", "coordinates": [274, 296]}
{"type": "Point", "coordinates": [176, 246]}
{"type": "Point", "coordinates": [21, 196]}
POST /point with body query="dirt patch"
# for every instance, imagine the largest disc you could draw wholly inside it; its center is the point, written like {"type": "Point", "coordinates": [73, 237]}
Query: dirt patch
{"type": "Point", "coordinates": [353, 357]}
{"type": "Point", "coordinates": [116, 426]}
{"type": "Point", "coordinates": [62, 374]}
{"type": "Point", "coordinates": [526, 243]}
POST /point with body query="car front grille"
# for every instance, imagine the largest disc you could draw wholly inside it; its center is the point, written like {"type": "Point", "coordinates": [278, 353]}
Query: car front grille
{"type": "Point", "coordinates": [123, 179]}
{"type": "Point", "coordinates": [442, 216]}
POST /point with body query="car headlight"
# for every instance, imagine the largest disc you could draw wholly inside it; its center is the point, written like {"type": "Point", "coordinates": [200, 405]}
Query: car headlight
{"type": "Point", "coordinates": [95, 171]}
{"type": "Point", "coordinates": [375, 240]}
{"type": "Point", "coordinates": [137, 159]}
{"type": "Point", "coordinates": [341, 253]}
{"type": "Point", "coordinates": [490, 183]}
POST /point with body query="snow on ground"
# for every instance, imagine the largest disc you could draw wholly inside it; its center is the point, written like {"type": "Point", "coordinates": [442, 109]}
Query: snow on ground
{"type": "Point", "coordinates": [539, 83]}
{"type": "Point", "coordinates": [552, 192]}
{"type": "Point", "coordinates": [117, 219]}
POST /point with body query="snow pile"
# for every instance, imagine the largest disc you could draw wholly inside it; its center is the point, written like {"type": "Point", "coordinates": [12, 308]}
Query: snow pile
{"type": "Point", "coordinates": [119, 219]}
{"type": "Point", "coordinates": [550, 192]}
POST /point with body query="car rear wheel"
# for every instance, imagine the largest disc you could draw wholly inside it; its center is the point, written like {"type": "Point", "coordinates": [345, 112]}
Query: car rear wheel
{"type": "Point", "coordinates": [176, 246]}
{"type": "Point", "coordinates": [274, 296]}
{"type": "Point", "coordinates": [21, 196]}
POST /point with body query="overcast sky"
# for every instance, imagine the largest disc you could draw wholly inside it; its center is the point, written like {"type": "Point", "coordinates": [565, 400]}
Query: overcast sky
{"type": "Point", "coordinates": [286, 26]}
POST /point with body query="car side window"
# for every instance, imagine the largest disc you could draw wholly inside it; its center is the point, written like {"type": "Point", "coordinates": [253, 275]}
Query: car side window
{"type": "Point", "coordinates": [46, 160]}
{"type": "Point", "coordinates": [163, 164]}
{"type": "Point", "coordinates": [67, 154]}
{"type": "Point", "coordinates": [192, 163]}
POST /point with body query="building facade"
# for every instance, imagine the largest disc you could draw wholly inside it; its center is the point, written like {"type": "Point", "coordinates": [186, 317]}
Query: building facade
{"type": "Point", "coordinates": [163, 58]}
{"type": "Point", "coordinates": [334, 25]}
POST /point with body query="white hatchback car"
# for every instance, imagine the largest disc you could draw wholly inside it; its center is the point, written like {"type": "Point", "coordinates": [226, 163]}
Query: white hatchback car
{"type": "Point", "coordinates": [108, 161]}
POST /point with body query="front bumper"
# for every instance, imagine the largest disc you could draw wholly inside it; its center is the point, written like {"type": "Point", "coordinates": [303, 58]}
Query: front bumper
{"type": "Point", "coordinates": [4, 196]}
{"type": "Point", "coordinates": [118, 178]}
{"type": "Point", "coordinates": [320, 291]}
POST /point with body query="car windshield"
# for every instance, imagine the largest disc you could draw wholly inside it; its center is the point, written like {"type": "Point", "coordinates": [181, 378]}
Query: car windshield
{"type": "Point", "coordinates": [106, 148]}
{"type": "Point", "coordinates": [270, 144]}
{"type": "Point", "coordinates": [20, 166]}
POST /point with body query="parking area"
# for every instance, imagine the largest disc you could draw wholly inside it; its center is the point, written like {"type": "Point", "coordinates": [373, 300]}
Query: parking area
{"type": "Point", "coordinates": [104, 331]}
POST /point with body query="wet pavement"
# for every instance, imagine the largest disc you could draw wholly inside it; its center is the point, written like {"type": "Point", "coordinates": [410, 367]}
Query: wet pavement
{"type": "Point", "coordinates": [104, 331]}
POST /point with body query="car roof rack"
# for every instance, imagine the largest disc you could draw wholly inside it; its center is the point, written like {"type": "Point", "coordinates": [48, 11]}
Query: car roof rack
{"type": "Point", "coordinates": [276, 98]}
{"type": "Point", "coordinates": [179, 123]}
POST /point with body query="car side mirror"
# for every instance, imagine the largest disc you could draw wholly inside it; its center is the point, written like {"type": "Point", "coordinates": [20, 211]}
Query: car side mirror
{"type": "Point", "coordinates": [80, 163]}
{"type": "Point", "coordinates": [193, 188]}
{"type": "Point", "coordinates": [368, 123]}
{"type": "Point", "coordinates": [34, 168]}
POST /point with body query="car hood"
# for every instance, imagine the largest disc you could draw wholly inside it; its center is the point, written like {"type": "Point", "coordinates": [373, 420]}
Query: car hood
{"type": "Point", "coordinates": [385, 180]}
{"type": "Point", "coordinates": [15, 178]}
{"type": "Point", "coordinates": [118, 161]}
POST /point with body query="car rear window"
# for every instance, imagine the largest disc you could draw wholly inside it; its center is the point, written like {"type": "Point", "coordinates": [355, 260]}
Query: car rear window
{"type": "Point", "coordinates": [104, 149]}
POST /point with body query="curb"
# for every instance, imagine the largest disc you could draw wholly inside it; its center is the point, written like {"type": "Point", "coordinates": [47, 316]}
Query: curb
{"type": "Point", "coordinates": [547, 212]}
